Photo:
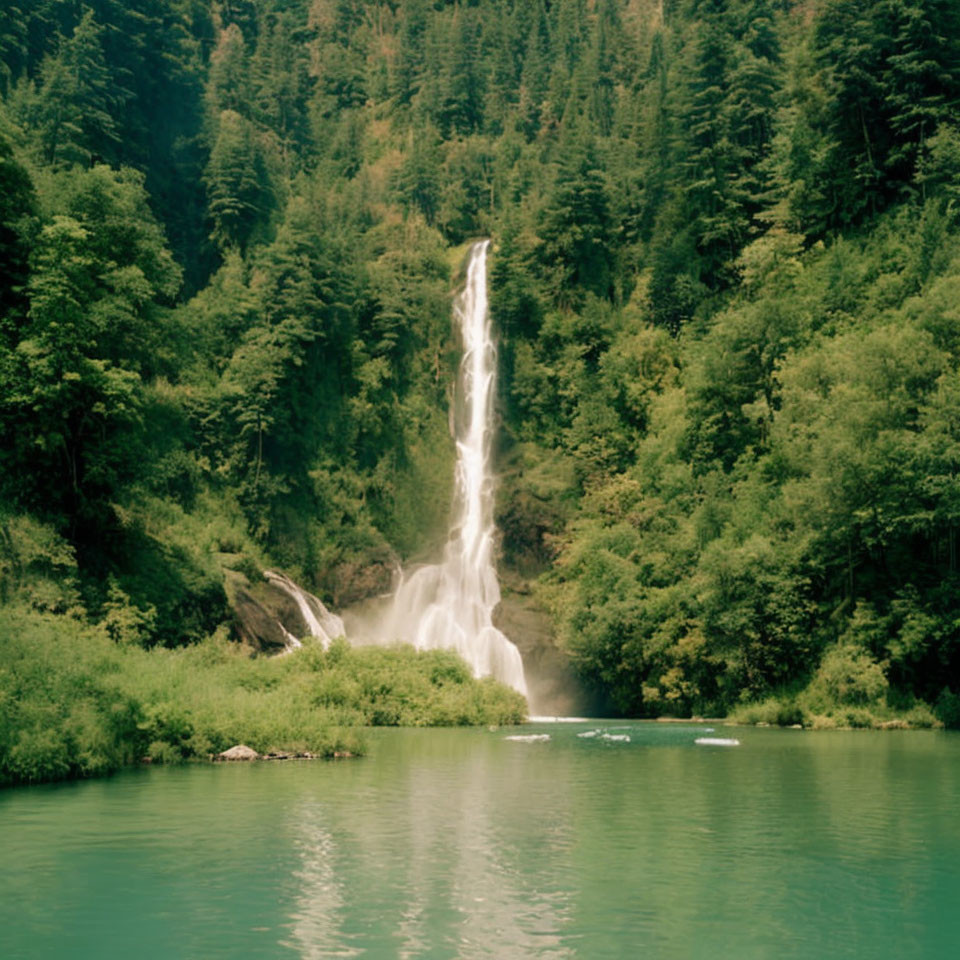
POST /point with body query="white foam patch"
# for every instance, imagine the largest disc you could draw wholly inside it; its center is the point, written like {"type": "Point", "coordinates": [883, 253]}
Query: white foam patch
{"type": "Point", "coordinates": [717, 742]}
{"type": "Point", "coordinates": [558, 719]}
{"type": "Point", "coordinates": [529, 737]}
{"type": "Point", "coordinates": [604, 735]}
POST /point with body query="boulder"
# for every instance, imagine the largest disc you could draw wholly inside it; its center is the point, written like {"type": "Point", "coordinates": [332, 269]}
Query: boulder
{"type": "Point", "coordinates": [352, 582]}
{"type": "Point", "coordinates": [267, 616]}
{"type": "Point", "coordinates": [255, 625]}
{"type": "Point", "coordinates": [240, 752]}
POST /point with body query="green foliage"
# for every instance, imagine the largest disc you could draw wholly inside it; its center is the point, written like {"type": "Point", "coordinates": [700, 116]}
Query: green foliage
{"type": "Point", "coordinates": [62, 712]}
{"type": "Point", "coordinates": [847, 677]}
{"type": "Point", "coordinates": [236, 181]}
{"type": "Point", "coordinates": [75, 703]}
{"type": "Point", "coordinates": [725, 277]}
{"type": "Point", "coordinates": [804, 467]}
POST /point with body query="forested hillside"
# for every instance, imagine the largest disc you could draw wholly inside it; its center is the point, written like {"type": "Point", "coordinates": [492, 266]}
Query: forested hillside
{"type": "Point", "coordinates": [726, 278]}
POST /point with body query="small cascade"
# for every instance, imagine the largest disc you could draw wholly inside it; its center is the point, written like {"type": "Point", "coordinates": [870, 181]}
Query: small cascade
{"type": "Point", "coordinates": [450, 605]}
{"type": "Point", "coordinates": [321, 623]}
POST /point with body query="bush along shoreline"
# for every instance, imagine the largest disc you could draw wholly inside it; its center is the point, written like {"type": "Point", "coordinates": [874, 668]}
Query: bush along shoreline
{"type": "Point", "coordinates": [74, 703]}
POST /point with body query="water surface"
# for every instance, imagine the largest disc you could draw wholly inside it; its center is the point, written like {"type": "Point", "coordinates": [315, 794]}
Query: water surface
{"type": "Point", "coordinates": [462, 843]}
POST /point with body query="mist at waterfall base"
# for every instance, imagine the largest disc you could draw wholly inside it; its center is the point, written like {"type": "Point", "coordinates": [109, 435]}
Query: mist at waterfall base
{"type": "Point", "coordinates": [450, 605]}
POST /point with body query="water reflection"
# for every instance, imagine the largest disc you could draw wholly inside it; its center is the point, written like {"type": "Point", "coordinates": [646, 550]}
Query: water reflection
{"type": "Point", "coordinates": [460, 844]}
{"type": "Point", "coordinates": [508, 904]}
{"type": "Point", "coordinates": [424, 864]}
{"type": "Point", "coordinates": [316, 922]}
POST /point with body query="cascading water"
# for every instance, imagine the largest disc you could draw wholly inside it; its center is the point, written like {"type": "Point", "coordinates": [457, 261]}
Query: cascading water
{"type": "Point", "coordinates": [450, 605]}
{"type": "Point", "coordinates": [321, 623]}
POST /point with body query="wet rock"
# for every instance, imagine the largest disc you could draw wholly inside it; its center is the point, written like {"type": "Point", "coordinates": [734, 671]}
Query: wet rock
{"type": "Point", "coordinates": [352, 582]}
{"type": "Point", "coordinates": [255, 625]}
{"type": "Point", "coordinates": [554, 689]}
{"type": "Point", "coordinates": [240, 752]}
{"type": "Point", "coordinates": [299, 611]}
{"type": "Point", "coordinates": [266, 615]}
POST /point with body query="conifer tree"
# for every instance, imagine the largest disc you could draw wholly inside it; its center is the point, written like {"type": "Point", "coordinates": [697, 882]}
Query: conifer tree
{"type": "Point", "coordinates": [577, 234]}
{"type": "Point", "coordinates": [535, 71]}
{"type": "Point", "coordinates": [236, 181]}
{"type": "Point", "coordinates": [407, 74]}
{"type": "Point", "coordinates": [461, 91]}
{"type": "Point", "coordinates": [228, 84]}
{"type": "Point", "coordinates": [77, 100]}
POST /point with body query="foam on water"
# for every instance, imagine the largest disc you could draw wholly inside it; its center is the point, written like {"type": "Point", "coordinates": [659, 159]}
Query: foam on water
{"type": "Point", "coordinates": [558, 719]}
{"type": "Point", "coordinates": [717, 741]}
{"type": "Point", "coordinates": [601, 734]}
{"type": "Point", "coordinates": [529, 737]}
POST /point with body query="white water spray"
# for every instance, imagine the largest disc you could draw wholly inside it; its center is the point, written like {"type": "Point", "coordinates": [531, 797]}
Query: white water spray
{"type": "Point", "coordinates": [321, 623]}
{"type": "Point", "coordinates": [450, 605]}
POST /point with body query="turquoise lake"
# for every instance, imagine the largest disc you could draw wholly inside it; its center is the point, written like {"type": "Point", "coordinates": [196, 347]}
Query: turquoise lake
{"type": "Point", "coordinates": [463, 844]}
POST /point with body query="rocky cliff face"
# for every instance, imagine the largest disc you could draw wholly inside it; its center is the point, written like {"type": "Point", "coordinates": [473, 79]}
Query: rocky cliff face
{"type": "Point", "coordinates": [353, 582]}
{"type": "Point", "coordinates": [554, 688]}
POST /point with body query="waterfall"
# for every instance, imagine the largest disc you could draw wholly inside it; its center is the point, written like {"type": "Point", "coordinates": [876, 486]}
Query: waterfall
{"type": "Point", "coordinates": [450, 605]}
{"type": "Point", "coordinates": [321, 623]}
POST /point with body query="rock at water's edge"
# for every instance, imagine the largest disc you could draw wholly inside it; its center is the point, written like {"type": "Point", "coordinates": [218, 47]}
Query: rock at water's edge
{"type": "Point", "coordinates": [240, 752]}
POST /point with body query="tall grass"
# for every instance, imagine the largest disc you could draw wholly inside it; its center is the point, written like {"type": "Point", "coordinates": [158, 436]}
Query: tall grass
{"type": "Point", "coordinates": [74, 703]}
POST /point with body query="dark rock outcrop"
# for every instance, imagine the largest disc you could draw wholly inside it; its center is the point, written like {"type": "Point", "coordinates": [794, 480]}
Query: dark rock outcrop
{"type": "Point", "coordinates": [553, 686]}
{"type": "Point", "coordinates": [268, 619]}
{"type": "Point", "coordinates": [259, 628]}
{"type": "Point", "coordinates": [352, 582]}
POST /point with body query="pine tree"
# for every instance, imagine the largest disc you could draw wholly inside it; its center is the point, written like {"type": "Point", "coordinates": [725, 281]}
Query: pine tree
{"type": "Point", "coordinates": [716, 209]}
{"type": "Point", "coordinates": [893, 72]}
{"type": "Point", "coordinates": [228, 84]}
{"type": "Point", "coordinates": [503, 52]}
{"type": "Point", "coordinates": [461, 91]}
{"type": "Point", "coordinates": [281, 85]}
{"type": "Point", "coordinates": [77, 100]}
{"type": "Point", "coordinates": [535, 73]}
{"type": "Point", "coordinates": [236, 181]}
{"type": "Point", "coordinates": [577, 234]}
{"type": "Point", "coordinates": [922, 78]}
{"type": "Point", "coordinates": [408, 66]}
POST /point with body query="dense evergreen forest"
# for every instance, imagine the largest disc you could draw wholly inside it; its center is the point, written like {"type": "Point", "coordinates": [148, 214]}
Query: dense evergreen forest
{"type": "Point", "coordinates": [726, 278]}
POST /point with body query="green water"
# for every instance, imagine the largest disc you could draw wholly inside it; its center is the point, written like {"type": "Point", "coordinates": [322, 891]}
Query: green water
{"type": "Point", "coordinates": [460, 843]}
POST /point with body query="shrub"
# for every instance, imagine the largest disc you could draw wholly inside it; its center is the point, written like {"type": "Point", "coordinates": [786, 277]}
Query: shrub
{"type": "Point", "coordinates": [947, 709]}
{"type": "Point", "coordinates": [848, 676]}
{"type": "Point", "coordinates": [75, 703]}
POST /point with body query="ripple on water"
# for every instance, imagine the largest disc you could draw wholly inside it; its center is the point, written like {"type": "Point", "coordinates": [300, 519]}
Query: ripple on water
{"type": "Point", "coordinates": [449, 843]}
